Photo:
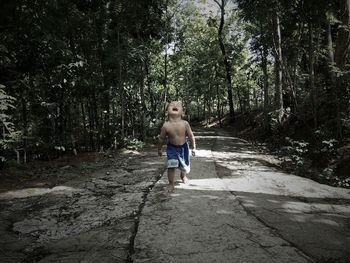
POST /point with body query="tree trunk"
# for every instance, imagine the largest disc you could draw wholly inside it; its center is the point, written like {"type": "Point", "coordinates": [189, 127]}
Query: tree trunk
{"type": "Point", "coordinates": [264, 65]}
{"type": "Point", "coordinates": [150, 92]}
{"type": "Point", "coordinates": [18, 156]}
{"type": "Point", "coordinates": [266, 78]}
{"type": "Point", "coordinates": [225, 60]}
{"type": "Point", "coordinates": [25, 124]}
{"type": "Point", "coordinates": [121, 88]}
{"type": "Point", "coordinates": [278, 65]}
{"type": "Point", "coordinates": [61, 129]}
{"type": "Point", "coordinates": [209, 103]}
{"type": "Point", "coordinates": [96, 120]}
{"type": "Point", "coordinates": [342, 46]}
{"type": "Point", "coordinates": [255, 99]}
{"type": "Point", "coordinates": [122, 113]}
{"type": "Point", "coordinates": [198, 107]}
{"type": "Point", "coordinates": [240, 100]}
{"type": "Point", "coordinates": [91, 126]}
{"type": "Point", "coordinates": [143, 105]}
{"type": "Point", "coordinates": [343, 37]}
{"type": "Point", "coordinates": [204, 108]}
{"type": "Point", "coordinates": [333, 85]}
{"type": "Point", "coordinates": [105, 103]}
{"type": "Point", "coordinates": [165, 81]}
{"type": "Point", "coordinates": [312, 75]}
{"type": "Point", "coordinates": [218, 104]}
{"type": "Point", "coordinates": [83, 118]}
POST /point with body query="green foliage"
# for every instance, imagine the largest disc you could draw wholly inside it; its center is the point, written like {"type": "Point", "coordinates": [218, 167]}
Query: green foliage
{"type": "Point", "coordinates": [134, 144]}
{"type": "Point", "coordinates": [76, 70]}
{"type": "Point", "coordinates": [197, 73]}
{"type": "Point", "coordinates": [274, 123]}
{"type": "Point", "coordinates": [329, 146]}
{"type": "Point", "coordinates": [116, 7]}
{"type": "Point", "coordinates": [87, 74]}
{"type": "Point", "coordinates": [9, 141]}
{"type": "Point", "coordinates": [6, 103]}
{"type": "Point", "coordinates": [325, 149]}
{"type": "Point", "coordinates": [9, 136]}
{"type": "Point", "coordinates": [296, 150]}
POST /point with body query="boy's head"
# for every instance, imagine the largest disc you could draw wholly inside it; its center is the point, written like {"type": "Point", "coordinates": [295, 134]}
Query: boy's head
{"type": "Point", "coordinates": [175, 109]}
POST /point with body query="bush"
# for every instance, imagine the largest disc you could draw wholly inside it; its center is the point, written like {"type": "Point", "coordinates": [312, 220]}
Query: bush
{"type": "Point", "coordinates": [296, 150]}
{"type": "Point", "coordinates": [133, 143]}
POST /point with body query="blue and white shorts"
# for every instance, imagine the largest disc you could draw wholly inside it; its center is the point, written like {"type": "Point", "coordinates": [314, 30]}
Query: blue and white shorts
{"type": "Point", "coordinates": [178, 156]}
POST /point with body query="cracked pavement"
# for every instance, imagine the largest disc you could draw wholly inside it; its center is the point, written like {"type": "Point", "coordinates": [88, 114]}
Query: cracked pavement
{"type": "Point", "coordinates": [237, 207]}
{"type": "Point", "coordinates": [87, 218]}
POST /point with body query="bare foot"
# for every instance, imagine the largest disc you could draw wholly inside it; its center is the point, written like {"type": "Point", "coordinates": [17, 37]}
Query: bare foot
{"type": "Point", "coordinates": [170, 188]}
{"type": "Point", "coordinates": [184, 179]}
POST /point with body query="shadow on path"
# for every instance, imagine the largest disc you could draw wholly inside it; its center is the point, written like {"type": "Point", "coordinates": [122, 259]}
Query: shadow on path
{"type": "Point", "coordinates": [238, 209]}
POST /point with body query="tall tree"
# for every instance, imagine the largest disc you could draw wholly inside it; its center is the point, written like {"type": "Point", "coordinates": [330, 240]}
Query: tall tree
{"type": "Point", "coordinates": [222, 5]}
{"type": "Point", "coordinates": [278, 63]}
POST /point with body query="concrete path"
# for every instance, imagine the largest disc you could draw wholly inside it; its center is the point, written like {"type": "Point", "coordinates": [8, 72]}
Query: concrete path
{"type": "Point", "coordinates": [90, 216]}
{"type": "Point", "coordinates": [237, 208]}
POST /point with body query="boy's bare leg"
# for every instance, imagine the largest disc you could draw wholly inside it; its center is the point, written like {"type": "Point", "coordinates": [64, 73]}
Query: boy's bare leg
{"type": "Point", "coordinates": [171, 178]}
{"type": "Point", "coordinates": [183, 176]}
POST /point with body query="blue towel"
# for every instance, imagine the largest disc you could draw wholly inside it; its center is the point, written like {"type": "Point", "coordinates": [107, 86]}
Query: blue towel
{"type": "Point", "coordinates": [178, 156]}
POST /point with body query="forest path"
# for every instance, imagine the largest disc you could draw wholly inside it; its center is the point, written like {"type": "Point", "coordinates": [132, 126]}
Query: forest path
{"type": "Point", "coordinates": [238, 208]}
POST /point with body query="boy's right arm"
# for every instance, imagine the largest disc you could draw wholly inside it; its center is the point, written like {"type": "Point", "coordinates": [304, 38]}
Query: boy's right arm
{"type": "Point", "coordinates": [191, 137]}
{"type": "Point", "coordinates": [161, 140]}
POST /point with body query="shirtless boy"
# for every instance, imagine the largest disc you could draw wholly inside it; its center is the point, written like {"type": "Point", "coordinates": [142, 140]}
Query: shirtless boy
{"type": "Point", "coordinates": [178, 154]}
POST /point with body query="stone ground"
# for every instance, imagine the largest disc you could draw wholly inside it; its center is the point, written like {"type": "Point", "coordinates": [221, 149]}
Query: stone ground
{"type": "Point", "coordinates": [237, 207]}
{"type": "Point", "coordinates": [85, 217]}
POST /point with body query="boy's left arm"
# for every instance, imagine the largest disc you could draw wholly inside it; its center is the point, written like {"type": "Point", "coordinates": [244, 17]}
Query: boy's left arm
{"type": "Point", "coordinates": [191, 138]}
{"type": "Point", "coordinates": [161, 140]}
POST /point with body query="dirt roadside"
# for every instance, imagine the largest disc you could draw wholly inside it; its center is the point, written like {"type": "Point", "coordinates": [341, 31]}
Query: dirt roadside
{"type": "Point", "coordinates": [76, 210]}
